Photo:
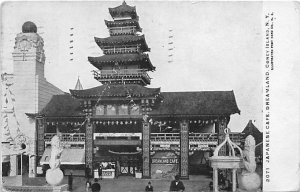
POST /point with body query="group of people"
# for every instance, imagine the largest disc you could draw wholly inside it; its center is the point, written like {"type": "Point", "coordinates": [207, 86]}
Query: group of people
{"type": "Point", "coordinates": [95, 187]}
{"type": "Point", "coordinates": [176, 185]}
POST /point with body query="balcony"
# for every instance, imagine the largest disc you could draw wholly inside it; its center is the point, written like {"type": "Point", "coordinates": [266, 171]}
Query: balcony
{"type": "Point", "coordinates": [129, 30]}
{"type": "Point", "coordinates": [122, 75]}
{"type": "Point", "coordinates": [193, 137]}
{"type": "Point", "coordinates": [119, 50]}
{"type": "Point", "coordinates": [66, 137]}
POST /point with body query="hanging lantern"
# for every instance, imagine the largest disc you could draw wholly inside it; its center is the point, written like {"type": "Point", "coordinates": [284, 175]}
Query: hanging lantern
{"type": "Point", "coordinates": [117, 122]}
{"type": "Point", "coordinates": [135, 122]}
{"type": "Point", "coordinates": [100, 122]}
{"type": "Point", "coordinates": [104, 123]}
{"type": "Point", "coordinates": [126, 122]}
{"type": "Point", "coordinates": [108, 122]}
{"type": "Point", "coordinates": [195, 121]}
{"type": "Point", "coordinates": [112, 122]}
{"type": "Point", "coordinates": [191, 121]}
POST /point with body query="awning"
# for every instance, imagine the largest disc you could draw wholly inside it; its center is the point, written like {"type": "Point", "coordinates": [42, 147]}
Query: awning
{"type": "Point", "coordinates": [68, 157]}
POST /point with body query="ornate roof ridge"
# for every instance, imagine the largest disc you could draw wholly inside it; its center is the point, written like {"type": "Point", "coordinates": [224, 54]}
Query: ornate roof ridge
{"type": "Point", "coordinates": [123, 10]}
{"type": "Point", "coordinates": [122, 59]}
{"type": "Point", "coordinates": [116, 90]}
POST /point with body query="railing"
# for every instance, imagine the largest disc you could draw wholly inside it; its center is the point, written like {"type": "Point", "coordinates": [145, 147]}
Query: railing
{"type": "Point", "coordinates": [121, 50]}
{"type": "Point", "coordinates": [121, 73]}
{"type": "Point", "coordinates": [165, 136]}
{"type": "Point", "coordinates": [66, 137]}
{"type": "Point", "coordinates": [122, 30]}
{"type": "Point", "coordinates": [235, 137]}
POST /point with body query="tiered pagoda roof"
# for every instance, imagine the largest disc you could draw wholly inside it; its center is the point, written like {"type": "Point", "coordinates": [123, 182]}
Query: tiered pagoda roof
{"type": "Point", "coordinates": [123, 40]}
{"type": "Point", "coordinates": [123, 10]}
{"type": "Point", "coordinates": [122, 59]}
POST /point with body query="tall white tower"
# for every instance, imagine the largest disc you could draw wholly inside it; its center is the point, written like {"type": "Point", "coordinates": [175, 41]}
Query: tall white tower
{"type": "Point", "coordinates": [30, 92]}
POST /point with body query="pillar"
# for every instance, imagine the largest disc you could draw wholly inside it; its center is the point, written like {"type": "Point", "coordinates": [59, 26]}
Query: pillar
{"type": "Point", "coordinates": [215, 180]}
{"type": "Point", "coordinates": [146, 150]}
{"type": "Point", "coordinates": [32, 160]}
{"type": "Point", "coordinates": [221, 125]}
{"type": "Point", "coordinates": [41, 125]}
{"type": "Point", "coordinates": [184, 150]}
{"type": "Point", "coordinates": [233, 180]}
{"type": "Point", "coordinates": [89, 145]}
{"type": "Point", "coordinates": [13, 165]}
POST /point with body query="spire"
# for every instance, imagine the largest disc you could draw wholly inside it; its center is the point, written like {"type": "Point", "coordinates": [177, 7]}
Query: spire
{"type": "Point", "coordinates": [78, 85]}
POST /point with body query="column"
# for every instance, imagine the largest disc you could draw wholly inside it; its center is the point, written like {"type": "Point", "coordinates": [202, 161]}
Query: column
{"type": "Point", "coordinates": [146, 150]}
{"type": "Point", "coordinates": [89, 141]}
{"type": "Point", "coordinates": [32, 166]}
{"type": "Point", "coordinates": [40, 136]}
{"type": "Point", "coordinates": [221, 125]}
{"type": "Point", "coordinates": [184, 150]}
{"type": "Point", "coordinates": [215, 179]}
{"type": "Point", "coordinates": [13, 165]}
{"type": "Point", "coordinates": [233, 180]}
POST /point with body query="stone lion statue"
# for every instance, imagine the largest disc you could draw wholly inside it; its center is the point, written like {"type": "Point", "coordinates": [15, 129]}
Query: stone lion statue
{"type": "Point", "coordinates": [54, 175]}
{"type": "Point", "coordinates": [249, 180]}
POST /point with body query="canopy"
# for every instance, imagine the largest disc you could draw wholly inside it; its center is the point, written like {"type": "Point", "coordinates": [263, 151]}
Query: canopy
{"type": "Point", "coordinates": [68, 156]}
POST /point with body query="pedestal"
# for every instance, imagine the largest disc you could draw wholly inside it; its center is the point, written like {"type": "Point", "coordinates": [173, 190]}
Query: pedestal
{"type": "Point", "coordinates": [13, 165]}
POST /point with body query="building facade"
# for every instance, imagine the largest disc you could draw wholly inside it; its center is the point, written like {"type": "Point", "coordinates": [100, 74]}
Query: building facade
{"type": "Point", "coordinates": [125, 126]}
{"type": "Point", "coordinates": [24, 91]}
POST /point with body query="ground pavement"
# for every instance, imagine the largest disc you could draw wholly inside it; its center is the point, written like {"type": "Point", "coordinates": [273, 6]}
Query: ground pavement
{"type": "Point", "coordinates": [130, 184]}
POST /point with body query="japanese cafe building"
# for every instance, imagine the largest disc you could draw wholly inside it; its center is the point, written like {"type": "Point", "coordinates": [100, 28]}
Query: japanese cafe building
{"type": "Point", "coordinates": [127, 127]}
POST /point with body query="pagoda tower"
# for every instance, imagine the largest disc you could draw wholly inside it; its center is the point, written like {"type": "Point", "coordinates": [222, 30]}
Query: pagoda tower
{"type": "Point", "coordinates": [124, 60]}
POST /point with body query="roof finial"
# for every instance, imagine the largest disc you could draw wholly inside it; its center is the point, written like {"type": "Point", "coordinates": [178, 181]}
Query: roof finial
{"type": "Point", "coordinates": [124, 3]}
{"type": "Point", "coordinates": [78, 85]}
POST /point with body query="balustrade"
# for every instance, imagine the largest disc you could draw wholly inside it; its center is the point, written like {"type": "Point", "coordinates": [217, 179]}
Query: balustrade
{"type": "Point", "coordinates": [120, 73]}
{"type": "Point", "coordinates": [66, 137]}
{"type": "Point", "coordinates": [235, 137]}
{"type": "Point", "coordinates": [121, 50]}
{"type": "Point", "coordinates": [122, 30]}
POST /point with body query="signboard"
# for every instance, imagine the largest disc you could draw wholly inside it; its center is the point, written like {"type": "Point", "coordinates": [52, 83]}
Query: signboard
{"type": "Point", "coordinates": [165, 161]}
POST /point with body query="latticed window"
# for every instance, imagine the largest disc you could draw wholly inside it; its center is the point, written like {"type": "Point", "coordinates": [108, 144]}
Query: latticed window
{"type": "Point", "coordinates": [123, 110]}
{"type": "Point", "coordinates": [100, 110]}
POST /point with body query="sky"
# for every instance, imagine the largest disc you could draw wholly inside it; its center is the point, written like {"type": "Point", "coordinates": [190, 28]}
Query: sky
{"type": "Point", "coordinates": [217, 45]}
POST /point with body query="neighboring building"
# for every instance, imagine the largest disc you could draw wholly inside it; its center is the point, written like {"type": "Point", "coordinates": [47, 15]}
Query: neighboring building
{"type": "Point", "coordinates": [127, 127]}
{"type": "Point", "coordinates": [251, 129]}
{"type": "Point", "coordinates": [24, 91]}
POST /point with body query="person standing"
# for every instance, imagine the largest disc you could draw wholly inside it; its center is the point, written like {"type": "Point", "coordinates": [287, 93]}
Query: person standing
{"type": "Point", "coordinates": [149, 187]}
{"type": "Point", "coordinates": [70, 181]}
{"type": "Point", "coordinates": [87, 172]}
{"type": "Point", "coordinates": [96, 187]}
{"type": "Point", "coordinates": [100, 172]}
{"type": "Point", "coordinates": [88, 185]}
{"type": "Point", "coordinates": [177, 185]}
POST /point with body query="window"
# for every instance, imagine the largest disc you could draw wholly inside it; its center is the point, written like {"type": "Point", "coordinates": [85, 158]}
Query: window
{"type": "Point", "coordinates": [100, 110]}
{"type": "Point", "coordinates": [111, 110]}
{"type": "Point", "coordinates": [123, 110]}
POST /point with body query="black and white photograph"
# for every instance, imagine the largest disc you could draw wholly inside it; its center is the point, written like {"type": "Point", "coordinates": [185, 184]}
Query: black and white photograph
{"type": "Point", "coordinates": [150, 96]}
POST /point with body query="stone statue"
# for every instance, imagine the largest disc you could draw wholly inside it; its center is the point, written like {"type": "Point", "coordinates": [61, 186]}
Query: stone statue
{"type": "Point", "coordinates": [54, 175]}
{"type": "Point", "coordinates": [249, 180]}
